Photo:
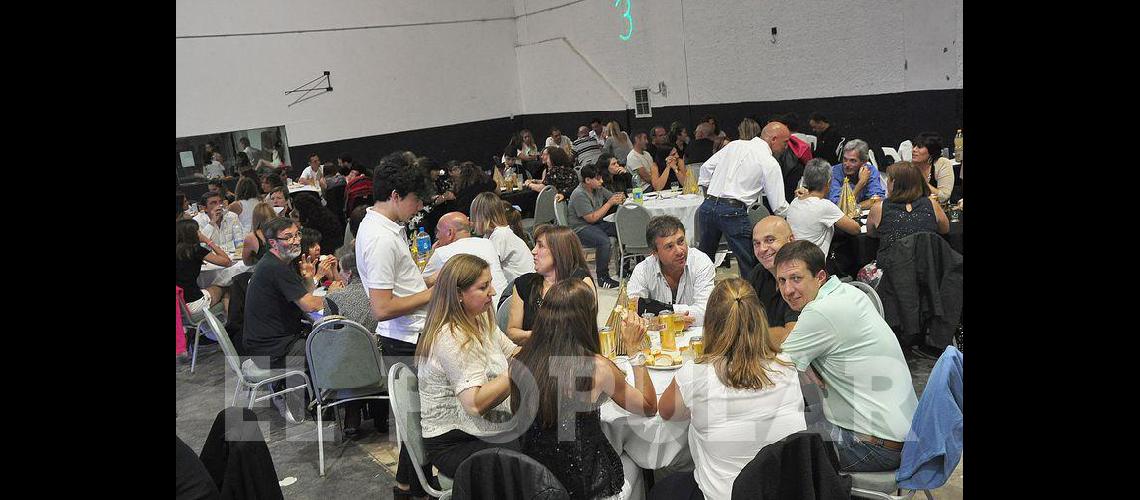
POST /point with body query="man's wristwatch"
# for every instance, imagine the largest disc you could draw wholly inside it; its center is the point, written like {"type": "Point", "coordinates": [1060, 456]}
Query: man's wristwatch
{"type": "Point", "coordinates": [637, 359]}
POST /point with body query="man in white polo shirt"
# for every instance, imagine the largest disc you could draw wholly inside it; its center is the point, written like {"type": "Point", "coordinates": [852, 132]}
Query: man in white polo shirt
{"type": "Point", "coordinates": [736, 176]}
{"type": "Point", "coordinates": [672, 277]}
{"type": "Point", "coordinates": [312, 174]}
{"type": "Point", "coordinates": [453, 237]}
{"type": "Point", "coordinates": [396, 289]}
{"type": "Point", "coordinates": [868, 396]}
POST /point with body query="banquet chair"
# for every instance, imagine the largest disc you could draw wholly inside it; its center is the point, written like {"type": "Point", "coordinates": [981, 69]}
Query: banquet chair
{"type": "Point", "coordinates": [906, 150]}
{"type": "Point", "coordinates": [756, 212]}
{"type": "Point", "coordinates": [808, 138]}
{"type": "Point", "coordinates": [197, 322]}
{"type": "Point", "coordinates": [871, 294]}
{"type": "Point", "coordinates": [631, 221]}
{"type": "Point", "coordinates": [543, 210]}
{"type": "Point", "coordinates": [894, 155]}
{"type": "Point", "coordinates": [871, 157]}
{"type": "Point", "coordinates": [249, 376]}
{"type": "Point", "coordinates": [560, 216]}
{"type": "Point", "coordinates": [503, 313]}
{"type": "Point", "coordinates": [404, 388]}
{"type": "Point", "coordinates": [505, 474]}
{"type": "Point", "coordinates": [344, 366]}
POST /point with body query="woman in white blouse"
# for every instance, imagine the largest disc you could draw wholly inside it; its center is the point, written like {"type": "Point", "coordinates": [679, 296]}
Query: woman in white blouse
{"type": "Point", "coordinates": [462, 357]}
{"type": "Point", "coordinates": [739, 396]}
{"type": "Point", "coordinates": [490, 221]}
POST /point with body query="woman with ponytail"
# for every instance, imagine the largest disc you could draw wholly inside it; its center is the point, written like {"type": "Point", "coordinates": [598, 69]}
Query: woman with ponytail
{"type": "Point", "coordinates": [739, 396]}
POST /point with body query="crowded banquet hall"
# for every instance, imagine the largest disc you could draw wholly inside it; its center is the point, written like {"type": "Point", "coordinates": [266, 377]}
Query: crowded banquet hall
{"type": "Point", "coordinates": [566, 249]}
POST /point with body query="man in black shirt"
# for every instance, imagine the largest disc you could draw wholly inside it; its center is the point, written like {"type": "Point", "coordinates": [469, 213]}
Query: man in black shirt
{"type": "Point", "coordinates": [701, 148]}
{"type": "Point", "coordinates": [275, 300]}
{"type": "Point", "coordinates": [769, 235]}
{"type": "Point", "coordinates": [827, 139]}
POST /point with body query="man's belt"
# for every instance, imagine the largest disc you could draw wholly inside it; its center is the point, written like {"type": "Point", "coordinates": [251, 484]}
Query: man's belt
{"type": "Point", "coordinates": [890, 445]}
{"type": "Point", "coordinates": [726, 201]}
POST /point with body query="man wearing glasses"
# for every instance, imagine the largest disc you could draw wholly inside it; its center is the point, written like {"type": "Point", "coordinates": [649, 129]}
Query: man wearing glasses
{"type": "Point", "coordinates": [275, 300]}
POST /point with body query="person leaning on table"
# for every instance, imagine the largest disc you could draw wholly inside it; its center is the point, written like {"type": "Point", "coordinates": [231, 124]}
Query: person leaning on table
{"type": "Point", "coordinates": [674, 276]}
{"type": "Point", "coordinates": [739, 396]}
{"type": "Point", "coordinates": [842, 343]}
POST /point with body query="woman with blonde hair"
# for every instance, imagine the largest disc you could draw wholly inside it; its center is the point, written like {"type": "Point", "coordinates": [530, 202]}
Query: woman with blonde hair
{"type": "Point", "coordinates": [489, 220]}
{"type": "Point", "coordinates": [739, 396]}
{"type": "Point", "coordinates": [558, 256]}
{"type": "Point", "coordinates": [255, 245]}
{"type": "Point", "coordinates": [462, 359]}
{"type": "Point", "coordinates": [617, 143]}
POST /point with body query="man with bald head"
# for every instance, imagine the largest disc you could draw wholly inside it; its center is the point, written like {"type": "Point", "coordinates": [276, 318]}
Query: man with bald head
{"type": "Point", "coordinates": [453, 237]}
{"type": "Point", "coordinates": [586, 148]}
{"type": "Point", "coordinates": [776, 134]}
{"type": "Point", "coordinates": [769, 235]}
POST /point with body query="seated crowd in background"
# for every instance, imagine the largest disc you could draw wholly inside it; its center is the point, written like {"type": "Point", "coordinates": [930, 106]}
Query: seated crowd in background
{"type": "Point", "coordinates": [788, 325]}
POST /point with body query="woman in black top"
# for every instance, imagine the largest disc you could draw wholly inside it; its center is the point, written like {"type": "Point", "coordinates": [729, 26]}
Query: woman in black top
{"type": "Point", "coordinates": [191, 249]}
{"type": "Point", "coordinates": [614, 175]}
{"type": "Point", "coordinates": [910, 208]}
{"type": "Point", "coordinates": [557, 256]}
{"type": "Point", "coordinates": [311, 214]}
{"type": "Point", "coordinates": [565, 347]}
{"type": "Point", "coordinates": [559, 172]}
{"type": "Point", "coordinates": [255, 246]}
{"type": "Point", "coordinates": [471, 182]}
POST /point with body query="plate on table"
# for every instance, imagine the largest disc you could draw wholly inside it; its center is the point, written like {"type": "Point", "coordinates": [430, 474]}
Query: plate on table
{"type": "Point", "coordinates": [652, 367]}
{"type": "Point", "coordinates": [688, 196]}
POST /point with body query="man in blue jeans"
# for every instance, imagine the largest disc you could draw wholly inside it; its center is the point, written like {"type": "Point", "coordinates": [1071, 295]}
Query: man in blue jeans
{"type": "Point", "coordinates": [736, 176]}
{"type": "Point", "coordinates": [842, 344]}
{"type": "Point", "coordinates": [589, 203]}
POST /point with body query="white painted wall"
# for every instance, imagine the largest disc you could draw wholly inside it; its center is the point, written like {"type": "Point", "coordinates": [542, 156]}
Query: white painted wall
{"type": "Point", "coordinates": [384, 80]}
{"type": "Point", "coordinates": [722, 51]}
{"type": "Point", "coordinates": [518, 60]}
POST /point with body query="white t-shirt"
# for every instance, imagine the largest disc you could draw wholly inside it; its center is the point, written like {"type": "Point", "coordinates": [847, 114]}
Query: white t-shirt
{"type": "Point", "coordinates": [214, 170]}
{"type": "Point", "coordinates": [478, 247]}
{"type": "Point", "coordinates": [310, 173]}
{"type": "Point", "coordinates": [564, 143]}
{"type": "Point", "coordinates": [384, 261]}
{"type": "Point", "coordinates": [634, 162]}
{"type": "Point", "coordinates": [514, 256]}
{"type": "Point", "coordinates": [813, 219]}
{"type": "Point", "coordinates": [729, 426]}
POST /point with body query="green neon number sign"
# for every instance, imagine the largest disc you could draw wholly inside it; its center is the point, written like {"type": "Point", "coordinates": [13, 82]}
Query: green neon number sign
{"type": "Point", "coordinates": [629, 18]}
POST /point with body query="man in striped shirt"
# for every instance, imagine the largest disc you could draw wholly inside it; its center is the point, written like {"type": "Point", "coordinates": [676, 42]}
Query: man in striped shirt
{"type": "Point", "coordinates": [586, 149]}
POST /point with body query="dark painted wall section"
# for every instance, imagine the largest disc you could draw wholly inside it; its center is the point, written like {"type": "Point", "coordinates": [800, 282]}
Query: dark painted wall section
{"type": "Point", "coordinates": [881, 120]}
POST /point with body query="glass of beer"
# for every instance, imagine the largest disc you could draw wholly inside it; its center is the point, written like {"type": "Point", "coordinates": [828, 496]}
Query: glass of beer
{"type": "Point", "coordinates": [697, 343]}
{"type": "Point", "coordinates": [607, 342]}
{"type": "Point", "coordinates": [668, 331]}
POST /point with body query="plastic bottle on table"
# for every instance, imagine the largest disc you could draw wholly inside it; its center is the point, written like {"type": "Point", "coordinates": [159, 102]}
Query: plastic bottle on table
{"type": "Point", "coordinates": [423, 247]}
{"type": "Point", "coordinates": [639, 195]}
{"type": "Point", "coordinates": [958, 146]}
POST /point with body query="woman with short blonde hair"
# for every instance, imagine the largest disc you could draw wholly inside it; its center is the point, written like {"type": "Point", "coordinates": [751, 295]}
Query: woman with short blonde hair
{"type": "Point", "coordinates": [739, 396]}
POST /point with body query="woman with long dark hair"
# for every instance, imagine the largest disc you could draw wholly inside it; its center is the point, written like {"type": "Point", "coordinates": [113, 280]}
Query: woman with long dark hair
{"type": "Point", "coordinates": [247, 198]}
{"type": "Point", "coordinates": [311, 214]}
{"type": "Point", "coordinates": [937, 172]}
{"type": "Point", "coordinates": [191, 249]}
{"type": "Point", "coordinates": [559, 172]}
{"type": "Point", "coordinates": [614, 175]}
{"type": "Point", "coordinates": [565, 348]}
{"type": "Point", "coordinates": [558, 256]}
{"type": "Point", "coordinates": [471, 182]}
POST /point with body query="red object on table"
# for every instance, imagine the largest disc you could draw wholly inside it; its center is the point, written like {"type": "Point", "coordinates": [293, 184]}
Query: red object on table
{"type": "Point", "coordinates": [180, 333]}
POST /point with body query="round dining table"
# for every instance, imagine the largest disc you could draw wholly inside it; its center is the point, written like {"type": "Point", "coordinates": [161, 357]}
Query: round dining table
{"type": "Point", "coordinates": [648, 442]}
{"type": "Point", "coordinates": [681, 206]}
{"type": "Point", "coordinates": [858, 251]}
{"type": "Point", "coordinates": [213, 274]}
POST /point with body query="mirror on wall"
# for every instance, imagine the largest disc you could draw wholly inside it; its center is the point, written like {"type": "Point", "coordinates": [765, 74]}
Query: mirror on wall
{"type": "Point", "coordinates": [193, 155]}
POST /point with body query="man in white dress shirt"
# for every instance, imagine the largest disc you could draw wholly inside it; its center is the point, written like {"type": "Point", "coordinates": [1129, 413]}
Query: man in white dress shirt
{"type": "Point", "coordinates": [453, 237]}
{"type": "Point", "coordinates": [218, 224]}
{"type": "Point", "coordinates": [672, 277]}
{"type": "Point", "coordinates": [736, 177]}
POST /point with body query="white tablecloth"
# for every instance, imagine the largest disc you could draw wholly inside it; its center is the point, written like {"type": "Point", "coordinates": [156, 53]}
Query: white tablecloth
{"type": "Point", "coordinates": [222, 276]}
{"type": "Point", "coordinates": [649, 443]}
{"type": "Point", "coordinates": [683, 207]}
{"type": "Point", "coordinates": [295, 187]}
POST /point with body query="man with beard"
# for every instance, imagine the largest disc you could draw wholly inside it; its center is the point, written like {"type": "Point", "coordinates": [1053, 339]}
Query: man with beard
{"type": "Point", "coordinates": [275, 300]}
{"type": "Point", "coordinates": [672, 277]}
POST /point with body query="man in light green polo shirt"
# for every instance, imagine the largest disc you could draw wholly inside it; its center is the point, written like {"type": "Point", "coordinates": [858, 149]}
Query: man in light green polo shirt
{"type": "Point", "coordinates": [868, 395]}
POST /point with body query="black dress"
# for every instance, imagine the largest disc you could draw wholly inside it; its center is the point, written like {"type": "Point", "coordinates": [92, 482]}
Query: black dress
{"type": "Point", "coordinates": [529, 288]}
{"type": "Point", "coordinates": [584, 462]}
{"type": "Point", "coordinates": [897, 223]}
